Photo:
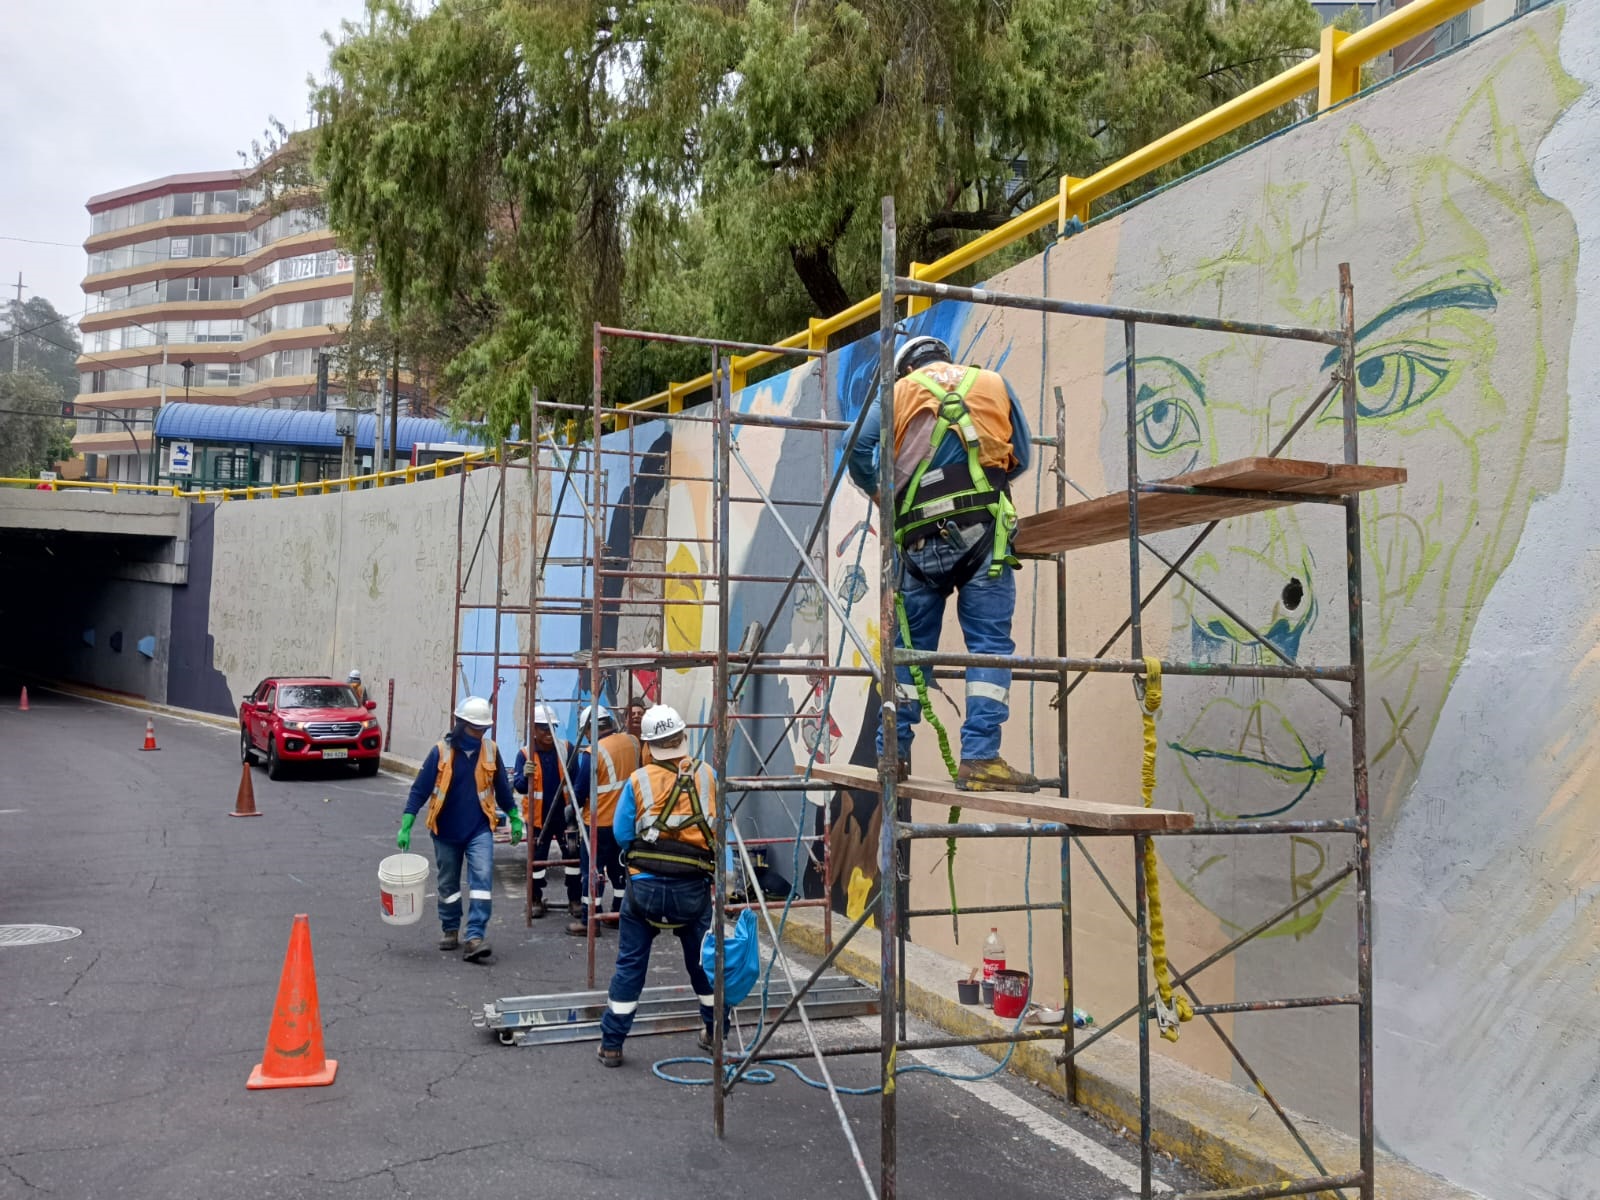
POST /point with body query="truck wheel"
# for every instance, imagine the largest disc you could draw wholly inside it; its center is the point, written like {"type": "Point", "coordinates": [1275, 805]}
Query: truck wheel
{"type": "Point", "coordinates": [246, 754]}
{"type": "Point", "coordinates": [274, 764]}
{"type": "Point", "coordinates": [366, 766]}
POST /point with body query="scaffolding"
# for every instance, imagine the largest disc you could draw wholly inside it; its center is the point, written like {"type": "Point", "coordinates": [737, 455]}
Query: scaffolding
{"type": "Point", "coordinates": [593, 483]}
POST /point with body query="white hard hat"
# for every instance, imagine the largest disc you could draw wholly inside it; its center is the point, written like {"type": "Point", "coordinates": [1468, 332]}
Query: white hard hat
{"type": "Point", "coordinates": [474, 710]}
{"type": "Point", "coordinates": [354, 674]}
{"type": "Point", "coordinates": [543, 714]}
{"type": "Point", "coordinates": [603, 713]}
{"type": "Point", "coordinates": [917, 350]}
{"type": "Point", "coordinates": [660, 723]}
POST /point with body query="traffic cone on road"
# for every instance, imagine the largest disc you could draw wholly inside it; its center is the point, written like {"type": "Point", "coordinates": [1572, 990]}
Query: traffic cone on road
{"type": "Point", "coordinates": [294, 1055]}
{"type": "Point", "coordinates": [245, 804]}
{"type": "Point", "coordinates": [149, 734]}
{"type": "Point", "coordinates": [24, 705]}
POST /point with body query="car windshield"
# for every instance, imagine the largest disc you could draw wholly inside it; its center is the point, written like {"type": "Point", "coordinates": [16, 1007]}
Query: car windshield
{"type": "Point", "coordinates": [317, 695]}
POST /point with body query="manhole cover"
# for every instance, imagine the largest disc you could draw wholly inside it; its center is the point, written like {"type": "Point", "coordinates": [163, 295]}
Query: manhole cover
{"type": "Point", "coordinates": [34, 935]}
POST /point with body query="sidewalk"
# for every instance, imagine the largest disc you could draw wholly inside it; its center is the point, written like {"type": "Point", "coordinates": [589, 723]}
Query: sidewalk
{"type": "Point", "coordinates": [1224, 1132]}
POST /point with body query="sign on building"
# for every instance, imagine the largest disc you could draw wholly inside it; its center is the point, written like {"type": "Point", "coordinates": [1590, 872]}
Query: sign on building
{"type": "Point", "coordinates": [181, 461]}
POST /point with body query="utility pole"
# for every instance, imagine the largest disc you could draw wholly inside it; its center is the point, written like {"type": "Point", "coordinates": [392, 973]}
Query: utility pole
{"type": "Point", "coordinates": [162, 403]}
{"type": "Point", "coordinates": [394, 405]}
{"type": "Point", "coordinates": [16, 329]}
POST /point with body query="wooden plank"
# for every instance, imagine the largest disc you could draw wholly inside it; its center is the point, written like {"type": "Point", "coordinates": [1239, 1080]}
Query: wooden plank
{"type": "Point", "coordinates": [1096, 522]}
{"type": "Point", "coordinates": [1089, 814]}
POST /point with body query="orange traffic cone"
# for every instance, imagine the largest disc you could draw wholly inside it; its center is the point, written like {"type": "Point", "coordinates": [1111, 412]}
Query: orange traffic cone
{"type": "Point", "coordinates": [149, 735]}
{"type": "Point", "coordinates": [294, 1057]}
{"type": "Point", "coordinates": [24, 705]}
{"type": "Point", "coordinates": [244, 804]}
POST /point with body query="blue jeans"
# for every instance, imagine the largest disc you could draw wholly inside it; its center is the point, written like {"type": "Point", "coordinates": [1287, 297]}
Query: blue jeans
{"type": "Point", "coordinates": [929, 572]}
{"type": "Point", "coordinates": [684, 904]}
{"type": "Point", "coordinates": [610, 856]}
{"type": "Point", "coordinates": [478, 854]}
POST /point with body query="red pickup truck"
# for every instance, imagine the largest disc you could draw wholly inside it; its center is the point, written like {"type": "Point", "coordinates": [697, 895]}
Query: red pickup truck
{"type": "Point", "coordinates": [302, 720]}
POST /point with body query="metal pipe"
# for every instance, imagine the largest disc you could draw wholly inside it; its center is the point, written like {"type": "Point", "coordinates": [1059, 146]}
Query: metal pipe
{"type": "Point", "coordinates": [1255, 1006]}
{"type": "Point", "coordinates": [1142, 936]}
{"type": "Point", "coordinates": [1110, 312]}
{"type": "Point", "coordinates": [919, 830]}
{"type": "Point", "coordinates": [1126, 666]}
{"type": "Point", "coordinates": [1298, 1187]}
{"type": "Point", "coordinates": [684, 339]}
{"type": "Point", "coordinates": [719, 742]}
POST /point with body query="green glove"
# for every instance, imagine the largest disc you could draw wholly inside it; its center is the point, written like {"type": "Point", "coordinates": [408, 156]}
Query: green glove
{"type": "Point", "coordinates": [403, 839]}
{"type": "Point", "coordinates": [516, 829]}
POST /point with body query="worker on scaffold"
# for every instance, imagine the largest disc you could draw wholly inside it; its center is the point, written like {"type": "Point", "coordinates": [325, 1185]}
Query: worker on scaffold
{"type": "Point", "coordinates": [960, 438]}
{"type": "Point", "coordinates": [664, 826]}
{"type": "Point", "coordinates": [614, 757]}
{"type": "Point", "coordinates": [539, 776]}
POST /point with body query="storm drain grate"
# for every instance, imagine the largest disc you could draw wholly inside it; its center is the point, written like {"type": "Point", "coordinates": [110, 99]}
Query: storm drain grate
{"type": "Point", "coordinates": [35, 935]}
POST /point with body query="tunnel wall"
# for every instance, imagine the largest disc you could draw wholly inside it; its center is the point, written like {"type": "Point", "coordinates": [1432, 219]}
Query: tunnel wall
{"type": "Point", "coordinates": [1462, 198]}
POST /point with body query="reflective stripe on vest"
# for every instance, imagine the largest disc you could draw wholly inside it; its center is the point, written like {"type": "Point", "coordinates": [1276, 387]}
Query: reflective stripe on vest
{"type": "Point", "coordinates": [615, 758]}
{"type": "Point", "coordinates": [488, 758]}
{"type": "Point", "coordinates": [687, 822]}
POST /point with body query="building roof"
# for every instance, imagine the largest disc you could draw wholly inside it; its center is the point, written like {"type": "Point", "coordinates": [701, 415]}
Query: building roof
{"type": "Point", "coordinates": [167, 183]}
{"type": "Point", "coordinates": [235, 425]}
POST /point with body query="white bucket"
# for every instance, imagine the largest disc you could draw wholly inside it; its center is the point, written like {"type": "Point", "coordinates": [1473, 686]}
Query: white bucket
{"type": "Point", "coordinates": [401, 880]}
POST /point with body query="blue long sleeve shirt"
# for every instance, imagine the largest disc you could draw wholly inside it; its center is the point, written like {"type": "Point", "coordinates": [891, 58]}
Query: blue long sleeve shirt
{"type": "Point", "coordinates": [460, 819]}
{"type": "Point", "coordinates": [863, 464]}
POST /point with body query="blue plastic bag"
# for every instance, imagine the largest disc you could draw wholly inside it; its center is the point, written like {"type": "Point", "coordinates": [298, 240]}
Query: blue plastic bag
{"type": "Point", "coordinates": [741, 958]}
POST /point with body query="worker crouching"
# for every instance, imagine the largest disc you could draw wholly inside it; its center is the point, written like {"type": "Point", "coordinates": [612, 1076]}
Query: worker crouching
{"type": "Point", "coordinates": [664, 827]}
{"type": "Point", "coordinates": [463, 783]}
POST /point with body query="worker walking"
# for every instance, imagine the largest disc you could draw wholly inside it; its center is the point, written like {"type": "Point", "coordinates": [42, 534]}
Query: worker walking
{"type": "Point", "coordinates": [539, 777]}
{"type": "Point", "coordinates": [354, 681]}
{"type": "Point", "coordinates": [606, 769]}
{"type": "Point", "coordinates": [664, 825]}
{"type": "Point", "coordinates": [463, 783]}
{"type": "Point", "coordinates": [960, 438]}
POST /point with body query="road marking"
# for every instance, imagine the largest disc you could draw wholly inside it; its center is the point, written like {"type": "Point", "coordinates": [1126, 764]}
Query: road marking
{"type": "Point", "coordinates": [1038, 1122]}
{"type": "Point", "coordinates": [7, 811]}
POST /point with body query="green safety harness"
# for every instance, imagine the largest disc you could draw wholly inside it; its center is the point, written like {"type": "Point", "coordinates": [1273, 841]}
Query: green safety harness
{"type": "Point", "coordinates": [952, 500]}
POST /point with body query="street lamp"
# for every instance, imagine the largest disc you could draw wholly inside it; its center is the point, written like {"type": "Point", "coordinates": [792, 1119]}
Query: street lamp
{"type": "Point", "coordinates": [187, 365]}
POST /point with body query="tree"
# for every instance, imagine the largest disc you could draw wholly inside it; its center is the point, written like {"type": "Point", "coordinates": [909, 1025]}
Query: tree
{"type": "Point", "coordinates": [48, 342]}
{"type": "Point", "coordinates": [519, 169]}
{"type": "Point", "coordinates": [33, 437]}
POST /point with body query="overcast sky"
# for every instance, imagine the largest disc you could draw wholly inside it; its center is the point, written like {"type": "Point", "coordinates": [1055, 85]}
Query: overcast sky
{"type": "Point", "coordinates": [99, 94]}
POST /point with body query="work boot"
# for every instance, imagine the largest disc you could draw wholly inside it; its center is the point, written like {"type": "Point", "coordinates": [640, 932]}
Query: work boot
{"type": "Point", "coordinates": [580, 928]}
{"type": "Point", "coordinates": [537, 909]}
{"type": "Point", "coordinates": [993, 775]}
{"type": "Point", "coordinates": [903, 771]}
{"type": "Point", "coordinates": [609, 1056]}
{"type": "Point", "coordinates": [703, 1039]}
{"type": "Point", "coordinates": [575, 909]}
{"type": "Point", "coordinates": [450, 940]}
{"type": "Point", "coordinates": [475, 950]}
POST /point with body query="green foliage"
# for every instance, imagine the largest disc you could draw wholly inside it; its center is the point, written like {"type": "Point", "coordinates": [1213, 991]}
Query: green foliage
{"type": "Point", "coordinates": [33, 437]}
{"type": "Point", "coordinates": [50, 343]}
{"type": "Point", "coordinates": [520, 169]}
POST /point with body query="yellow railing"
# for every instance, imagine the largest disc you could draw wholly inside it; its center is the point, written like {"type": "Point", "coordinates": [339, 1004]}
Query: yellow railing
{"type": "Point", "coordinates": [261, 491]}
{"type": "Point", "coordinates": [1333, 73]}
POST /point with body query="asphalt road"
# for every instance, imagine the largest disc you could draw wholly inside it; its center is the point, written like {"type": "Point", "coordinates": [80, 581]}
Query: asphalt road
{"type": "Point", "coordinates": [124, 1052]}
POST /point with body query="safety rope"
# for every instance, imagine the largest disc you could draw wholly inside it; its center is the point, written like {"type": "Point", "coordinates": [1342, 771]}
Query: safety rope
{"type": "Point", "coordinates": [923, 699]}
{"type": "Point", "coordinates": [1169, 1015]}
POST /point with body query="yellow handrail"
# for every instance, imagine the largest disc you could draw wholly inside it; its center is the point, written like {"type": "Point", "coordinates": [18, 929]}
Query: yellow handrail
{"type": "Point", "coordinates": [1347, 56]}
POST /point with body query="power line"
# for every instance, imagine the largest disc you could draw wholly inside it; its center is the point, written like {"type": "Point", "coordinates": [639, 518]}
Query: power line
{"type": "Point", "coordinates": [39, 242]}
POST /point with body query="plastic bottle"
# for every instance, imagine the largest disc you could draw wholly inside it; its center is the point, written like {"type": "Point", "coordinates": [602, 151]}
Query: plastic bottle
{"type": "Point", "coordinates": [994, 959]}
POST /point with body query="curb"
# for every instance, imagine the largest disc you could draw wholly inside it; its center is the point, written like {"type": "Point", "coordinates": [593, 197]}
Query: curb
{"type": "Point", "coordinates": [1227, 1134]}
{"type": "Point", "coordinates": [386, 761]}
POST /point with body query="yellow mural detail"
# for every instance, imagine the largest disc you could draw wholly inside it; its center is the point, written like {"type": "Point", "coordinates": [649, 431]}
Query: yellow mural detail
{"type": "Point", "coordinates": [684, 614]}
{"type": "Point", "coordinates": [858, 892]}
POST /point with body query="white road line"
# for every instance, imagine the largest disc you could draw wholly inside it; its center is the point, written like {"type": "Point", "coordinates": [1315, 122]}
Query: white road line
{"type": "Point", "coordinates": [1038, 1122]}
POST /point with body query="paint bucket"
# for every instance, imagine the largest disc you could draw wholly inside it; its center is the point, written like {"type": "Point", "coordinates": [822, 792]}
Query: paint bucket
{"type": "Point", "coordinates": [986, 993]}
{"type": "Point", "coordinates": [401, 879]}
{"type": "Point", "coordinates": [967, 991]}
{"type": "Point", "coordinates": [1010, 993]}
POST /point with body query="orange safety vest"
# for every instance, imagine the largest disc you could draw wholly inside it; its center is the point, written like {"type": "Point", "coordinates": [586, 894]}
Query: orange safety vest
{"type": "Point", "coordinates": [533, 802]}
{"type": "Point", "coordinates": [615, 758]}
{"type": "Point", "coordinates": [488, 761]}
{"type": "Point", "coordinates": [987, 400]}
{"type": "Point", "coordinates": [652, 787]}
{"type": "Point", "coordinates": [361, 693]}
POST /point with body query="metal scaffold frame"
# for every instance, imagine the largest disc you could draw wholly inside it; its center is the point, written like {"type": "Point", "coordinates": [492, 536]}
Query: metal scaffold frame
{"type": "Point", "coordinates": [582, 469]}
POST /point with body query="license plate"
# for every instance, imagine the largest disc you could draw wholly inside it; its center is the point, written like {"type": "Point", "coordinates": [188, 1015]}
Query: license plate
{"type": "Point", "coordinates": [336, 754]}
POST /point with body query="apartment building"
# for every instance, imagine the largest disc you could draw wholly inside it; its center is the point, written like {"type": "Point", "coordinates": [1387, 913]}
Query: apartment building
{"type": "Point", "coordinates": [197, 291]}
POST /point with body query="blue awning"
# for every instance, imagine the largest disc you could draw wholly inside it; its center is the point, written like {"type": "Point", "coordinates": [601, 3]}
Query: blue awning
{"type": "Point", "coordinates": [237, 426]}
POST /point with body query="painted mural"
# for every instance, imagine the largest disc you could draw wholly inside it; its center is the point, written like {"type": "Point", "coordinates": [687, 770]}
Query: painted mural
{"type": "Point", "coordinates": [1465, 200]}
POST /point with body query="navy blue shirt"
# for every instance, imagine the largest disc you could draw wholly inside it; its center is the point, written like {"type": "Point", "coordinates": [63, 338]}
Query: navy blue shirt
{"type": "Point", "coordinates": [549, 775]}
{"type": "Point", "coordinates": [461, 818]}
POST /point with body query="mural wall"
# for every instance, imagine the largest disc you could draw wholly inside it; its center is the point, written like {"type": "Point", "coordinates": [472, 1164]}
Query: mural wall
{"type": "Point", "coordinates": [1465, 200]}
